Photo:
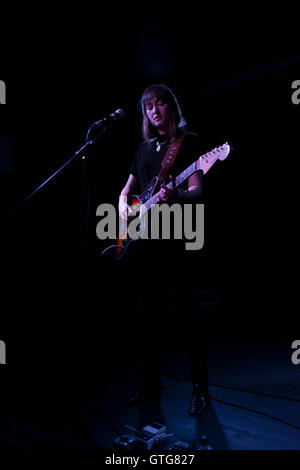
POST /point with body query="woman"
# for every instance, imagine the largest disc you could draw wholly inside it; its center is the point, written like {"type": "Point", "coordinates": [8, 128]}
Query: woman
{"type": "Point", "coordinates": [162, 124]}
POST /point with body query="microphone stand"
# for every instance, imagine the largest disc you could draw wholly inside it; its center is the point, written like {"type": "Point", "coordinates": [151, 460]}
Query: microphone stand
{"type": "Point", "coordinates": [77, 154]}
{"type": "Point", "coordinates": [86, 188]}
{"type": "Point", "coordinates": [80, 153]}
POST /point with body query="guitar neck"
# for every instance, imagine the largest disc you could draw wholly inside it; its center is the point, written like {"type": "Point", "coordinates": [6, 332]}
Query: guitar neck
{"type": "Point", "coordinates": [173, 184]}
{"type": "Point", "coordinates": [204, 163]}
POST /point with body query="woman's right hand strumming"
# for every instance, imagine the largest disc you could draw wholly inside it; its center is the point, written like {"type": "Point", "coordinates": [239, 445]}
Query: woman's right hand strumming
{"type": "Point", "coordinates": [130, 188]}
{"type": "Point", "coordinates": [124, 207]}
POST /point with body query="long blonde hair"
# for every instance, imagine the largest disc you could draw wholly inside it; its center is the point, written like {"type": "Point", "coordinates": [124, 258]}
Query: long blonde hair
{"type": "Point", "coordinates": [177, 122]}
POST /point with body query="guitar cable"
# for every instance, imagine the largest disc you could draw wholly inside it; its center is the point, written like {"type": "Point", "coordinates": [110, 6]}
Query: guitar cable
{"type": "Point", "coordinates": [109, 247]}
{"type": "Point", "coordinates": [275, 418]}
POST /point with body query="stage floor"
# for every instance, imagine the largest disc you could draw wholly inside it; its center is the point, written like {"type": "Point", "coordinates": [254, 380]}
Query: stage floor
{"type": "Point", "coordinates": [254, 386]}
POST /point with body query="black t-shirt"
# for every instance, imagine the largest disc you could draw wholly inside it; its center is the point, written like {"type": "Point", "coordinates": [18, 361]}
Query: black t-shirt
{"type": "Point", "coordinates": [146, 165]}
{"type": "Point", "coordinates": [147, 161]}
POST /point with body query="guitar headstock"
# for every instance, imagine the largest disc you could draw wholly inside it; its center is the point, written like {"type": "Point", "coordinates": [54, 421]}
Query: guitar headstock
{"type": "Point", "coordinates": [206, 161]}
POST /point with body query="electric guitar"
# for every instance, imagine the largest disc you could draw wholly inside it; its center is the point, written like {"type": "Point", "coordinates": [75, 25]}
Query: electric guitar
{"type": "Point", "coordinates": [146, 200]}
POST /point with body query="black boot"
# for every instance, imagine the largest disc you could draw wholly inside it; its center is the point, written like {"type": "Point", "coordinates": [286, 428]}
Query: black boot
{"type": "Point", "coordinates": [200, 401]}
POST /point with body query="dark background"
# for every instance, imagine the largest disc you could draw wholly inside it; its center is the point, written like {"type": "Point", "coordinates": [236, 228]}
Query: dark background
{"type": "Point", "coordinates": [61, 302]}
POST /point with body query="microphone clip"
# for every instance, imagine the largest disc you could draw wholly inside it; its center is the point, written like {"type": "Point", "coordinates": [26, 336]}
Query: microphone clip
{"type": "Point", "coordinates": [118, 115]}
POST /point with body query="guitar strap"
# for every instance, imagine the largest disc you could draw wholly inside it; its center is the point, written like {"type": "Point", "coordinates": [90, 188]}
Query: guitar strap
{"type": "Point", "coordinates": [169, 159]}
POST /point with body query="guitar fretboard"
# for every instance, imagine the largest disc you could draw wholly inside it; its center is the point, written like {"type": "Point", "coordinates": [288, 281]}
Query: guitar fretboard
{"type": "Point", "coordinates": [178, 181]}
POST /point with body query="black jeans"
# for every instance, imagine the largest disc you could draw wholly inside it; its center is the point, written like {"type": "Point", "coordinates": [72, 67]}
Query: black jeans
{"type": "Point", "coordinates": [165, 312]}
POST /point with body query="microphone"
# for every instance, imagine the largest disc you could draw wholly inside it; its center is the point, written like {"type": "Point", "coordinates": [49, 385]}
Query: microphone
{"type": "Point", "coordinates": [118, 115]}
